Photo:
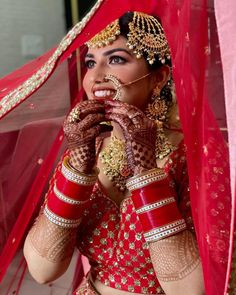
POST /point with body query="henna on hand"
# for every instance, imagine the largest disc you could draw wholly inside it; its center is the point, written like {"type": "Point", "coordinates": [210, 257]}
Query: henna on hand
{"type": "Point", "coordinates": [51, 241]}
{"type": "Point", "coordinates": [139, 132]}
{"type": "Point", "coordinates": [81, 128]}
{"type": "Point", "coordinates": [175, 257]}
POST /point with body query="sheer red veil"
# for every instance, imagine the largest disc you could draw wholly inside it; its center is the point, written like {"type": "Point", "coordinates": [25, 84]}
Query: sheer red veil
{"type": "Point", "coordinates": [36, 98]}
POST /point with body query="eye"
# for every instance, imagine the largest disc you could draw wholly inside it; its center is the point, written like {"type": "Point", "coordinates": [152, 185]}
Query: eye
{"type": "Point", "coordinates": [115, 59]}
{"type": "Point", "coordinates": [89, 63]}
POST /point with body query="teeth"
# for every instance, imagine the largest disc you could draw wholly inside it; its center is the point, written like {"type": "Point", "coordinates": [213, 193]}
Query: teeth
{"type": "Point", "coordinates": [103, 93]}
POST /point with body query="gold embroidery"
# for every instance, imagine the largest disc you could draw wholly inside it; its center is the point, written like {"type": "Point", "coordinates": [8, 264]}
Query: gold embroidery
{"type": "Point", "coordinates": [19, 94]}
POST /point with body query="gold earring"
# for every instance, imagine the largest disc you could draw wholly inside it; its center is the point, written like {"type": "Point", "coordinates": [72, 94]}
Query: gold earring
{"type": "Point", "coordinates": [157, 110]}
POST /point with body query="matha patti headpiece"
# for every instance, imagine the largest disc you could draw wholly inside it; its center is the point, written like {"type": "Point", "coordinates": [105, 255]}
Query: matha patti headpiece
{"type": "Point", "coordinates": [146, 35]}
{"type": "Point", "coordinates": [106, 36]}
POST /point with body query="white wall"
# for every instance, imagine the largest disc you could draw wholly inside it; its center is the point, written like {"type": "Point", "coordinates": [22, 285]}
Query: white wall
{"type": "Point", "coordinates": [39, 21]}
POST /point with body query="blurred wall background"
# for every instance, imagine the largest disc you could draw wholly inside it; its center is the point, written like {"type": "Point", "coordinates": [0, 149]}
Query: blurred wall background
{"type": "Point", "coordinates": [28, 28]}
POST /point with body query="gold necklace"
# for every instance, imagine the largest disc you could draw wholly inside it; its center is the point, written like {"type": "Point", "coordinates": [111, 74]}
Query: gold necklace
{"type": "Point", "coordinates": [115, 165]}
{"type": "Point", "coordinates": [114, 160]}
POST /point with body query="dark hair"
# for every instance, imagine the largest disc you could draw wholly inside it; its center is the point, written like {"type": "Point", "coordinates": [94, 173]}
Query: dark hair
{"type": "Point", "coordinates": [124, 21]}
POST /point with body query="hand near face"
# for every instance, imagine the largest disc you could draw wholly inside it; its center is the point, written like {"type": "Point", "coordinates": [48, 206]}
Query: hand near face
{"type": "Point", "coordinates": [81, 128]}
{"type": "Point", "coordinates": [139, 132]}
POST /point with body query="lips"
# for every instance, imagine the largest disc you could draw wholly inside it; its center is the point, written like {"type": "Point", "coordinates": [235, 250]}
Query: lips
{"type": "Point", "coordinates": [104, 93]}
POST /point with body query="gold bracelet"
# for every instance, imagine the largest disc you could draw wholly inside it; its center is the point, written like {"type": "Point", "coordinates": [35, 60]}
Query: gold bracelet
{"type": "Point", "coordinates": [145, 178]}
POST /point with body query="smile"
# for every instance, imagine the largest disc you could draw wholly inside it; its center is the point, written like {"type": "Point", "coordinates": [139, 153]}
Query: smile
{"type": "Point", "coordinates": [104, 93]}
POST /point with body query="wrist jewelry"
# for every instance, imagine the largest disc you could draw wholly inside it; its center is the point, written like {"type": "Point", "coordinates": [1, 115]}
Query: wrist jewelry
{"type": "Point", "coordinates": [145, 178]}
{"type": "Point", "coordinates": [70, 196]}
{"type": "Point", "coordinates": [154, 202]}
{"type": "Point", "coordinates": [72, 174]}
{"type": "Point", "coordinates": [58, 220]}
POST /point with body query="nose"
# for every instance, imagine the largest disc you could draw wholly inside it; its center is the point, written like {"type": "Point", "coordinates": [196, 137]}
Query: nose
{"type": "Point", "coordinates": [98, 75]}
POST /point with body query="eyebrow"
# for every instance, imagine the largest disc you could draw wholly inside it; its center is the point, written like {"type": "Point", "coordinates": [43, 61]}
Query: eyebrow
{"type": "Point", "coordinates": [109, 52]}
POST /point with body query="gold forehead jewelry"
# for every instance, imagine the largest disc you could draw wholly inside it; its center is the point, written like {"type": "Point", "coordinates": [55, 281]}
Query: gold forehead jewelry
{"type": "Point", "coordinates": [146, 35]}
{"type": "Point", "coordinates": [106, 36]}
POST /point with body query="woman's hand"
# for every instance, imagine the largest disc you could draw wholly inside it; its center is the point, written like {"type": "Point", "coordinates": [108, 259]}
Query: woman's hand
{"type": "Point", "coordinates": [139, 132]}
{"type": "Point", "coordinates": [81, 128]}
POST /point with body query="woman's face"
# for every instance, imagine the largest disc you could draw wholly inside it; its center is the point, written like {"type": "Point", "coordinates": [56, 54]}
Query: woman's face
{"type": "Point", "coordinates": [117, 60]}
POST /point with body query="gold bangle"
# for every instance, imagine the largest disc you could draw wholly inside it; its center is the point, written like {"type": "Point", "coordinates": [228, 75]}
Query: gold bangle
{"type": "Point", "coordinates": [95, 170]}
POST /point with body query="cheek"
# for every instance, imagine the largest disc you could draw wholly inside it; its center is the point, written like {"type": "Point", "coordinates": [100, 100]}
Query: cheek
{"type": "Point", "coordinates": [85, 83]}
{"type": "Point", "coordinates": [138, 96]}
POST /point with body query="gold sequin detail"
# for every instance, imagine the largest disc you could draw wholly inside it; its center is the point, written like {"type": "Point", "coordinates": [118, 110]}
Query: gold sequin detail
{"type": "Point", "coordinates": [19, 94]}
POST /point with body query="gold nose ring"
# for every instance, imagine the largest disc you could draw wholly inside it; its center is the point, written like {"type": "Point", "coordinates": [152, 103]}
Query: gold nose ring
{"type": "Point", "coordinates": [117, 85]}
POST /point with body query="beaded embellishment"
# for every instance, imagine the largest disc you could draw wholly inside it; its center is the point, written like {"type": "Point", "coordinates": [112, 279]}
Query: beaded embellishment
{"type": "Point", "coordinates": [146, 35]}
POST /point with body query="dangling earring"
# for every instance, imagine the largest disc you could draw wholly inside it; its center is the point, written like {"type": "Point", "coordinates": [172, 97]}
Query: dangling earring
{"type": "Point", "coordinates": [157, 111]}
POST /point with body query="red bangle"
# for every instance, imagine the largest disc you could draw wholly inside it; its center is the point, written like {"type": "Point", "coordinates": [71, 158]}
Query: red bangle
{"type": "Point", "coordinates": [69, 197]}
{"type": "Point", "coordinates": [153, 192]}
{"type": "Point", "coordinates": [64, 209]}
{"type": "Point", "coordinates": [71, 189]}
{"type": "Point", "coordinates": [157, 210]}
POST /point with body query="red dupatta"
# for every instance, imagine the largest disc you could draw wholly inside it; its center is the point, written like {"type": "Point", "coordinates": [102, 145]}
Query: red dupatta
{"type": "Point", "coordinates": [29, 89]}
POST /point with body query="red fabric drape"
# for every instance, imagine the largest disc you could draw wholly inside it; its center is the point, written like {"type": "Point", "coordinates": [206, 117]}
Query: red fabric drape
{"type": "Point", "coordinates": [186, 27]}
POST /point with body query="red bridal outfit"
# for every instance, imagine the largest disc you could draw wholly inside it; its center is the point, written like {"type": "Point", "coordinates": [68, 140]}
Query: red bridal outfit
{"type": "Point", "coordinates": [34, 102]}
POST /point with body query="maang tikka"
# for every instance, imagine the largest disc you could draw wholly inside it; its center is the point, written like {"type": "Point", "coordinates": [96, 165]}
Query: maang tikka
{"type": "Point", "coordinates": [146, 35]}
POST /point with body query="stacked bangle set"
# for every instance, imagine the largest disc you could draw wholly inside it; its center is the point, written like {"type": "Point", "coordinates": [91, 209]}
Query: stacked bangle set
{"type": "Point", "coordinates": [152, 195]}
{"type": "Point", "coordinates": [154, 201]}
{"type": "Point", "coordinates": [63, 207]}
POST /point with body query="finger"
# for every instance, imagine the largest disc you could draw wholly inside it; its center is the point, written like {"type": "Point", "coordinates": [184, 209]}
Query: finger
{"type": "Point", "coordinates": [115, 103]}
{"type": "Point", "coordinates": [94, 109]}
{"type": "Point", "coordinates": [122, 120]}
{"type": "Point", "coordinates": [134, 114]}
{"type": "Point", "coordinates": [91, 120]}
{"type": "Point", "coordinates": [88, 107]}
{"type": "Point", "coordinates": [82, 109]}
{"type": "Point", "coordinates": [123, 108]}
{"type": "Point", "coordinates": [94, 131]}
{"type": "Point", "coordinates": [119, 104]}
{"type": "Point", "coordinates": [90, 102]}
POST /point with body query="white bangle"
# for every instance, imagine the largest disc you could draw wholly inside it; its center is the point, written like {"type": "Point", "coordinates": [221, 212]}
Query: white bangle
{"type": "Point", "coordinates": [145, 178]}
{"type": "Point", "coordinates": [58, 220]}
